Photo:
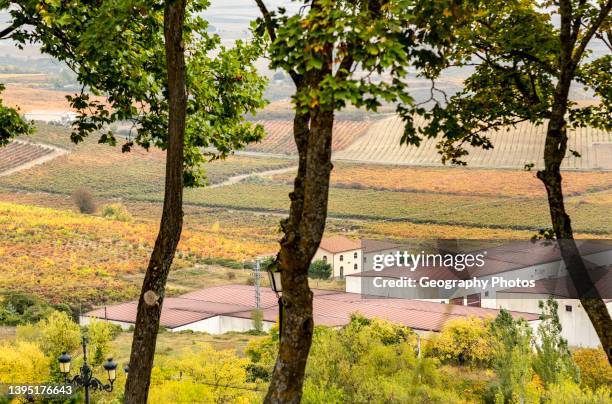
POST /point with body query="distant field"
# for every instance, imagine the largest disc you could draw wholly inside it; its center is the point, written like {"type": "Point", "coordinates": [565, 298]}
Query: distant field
{"type": "Point", "coordinates": [279, 136]}
{"type": "Point", "coordinates": [110, 173]}
{"type": "Point", "coordinates": [512, 149]}
{"type": "Point", "coordinates": [459, 210]}
{"type": "Point", "coordinates": [16, 154]}
{"type": "Point", "coordinates": [456, 180]}
{"type": "Point", "coordinates": [32, 98]}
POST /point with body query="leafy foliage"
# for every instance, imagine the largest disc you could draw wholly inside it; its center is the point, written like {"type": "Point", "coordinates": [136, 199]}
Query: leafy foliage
{"type": "Point", "coordinates": [553, 361]}
{"type": "Point", "coordinates": [22, 360]}
{"type": "Point", "coordinates": [84, 200]}
{"type": "Point", "coordinates": [19, 308]}
{"type": "Point", "coordinates": [464, 341]}
{"type": "Point", "coordinates": [11, 124]}
{"type": "Point", "coordinates": [203, 376]}
{"type": "Point", "coordinates": [514, 47]}
{"type": "Point", "coordinates": [319, 269]}
{"type": "Point", "coordinates": [595, 371]}
{"type": "Point", "coordinates": [58, 333]}
{"type": "Point", "coordinates": [122, 58]}
{"type": "Point", "coordinates": [512, 361]}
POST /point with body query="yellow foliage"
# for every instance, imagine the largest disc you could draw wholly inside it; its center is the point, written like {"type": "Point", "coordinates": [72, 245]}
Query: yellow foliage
{"type": "Point", "coordinates": [21, 362]}
{"type": "Point", "coordinates": [208, 375]}
{"type": "Point", "coordinates": [464, 340]}
{"type": "Point", "coordinates": [595, 371]}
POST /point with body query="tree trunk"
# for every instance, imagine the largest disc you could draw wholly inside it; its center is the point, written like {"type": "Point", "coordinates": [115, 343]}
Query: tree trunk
{"type": "Point", "coordinates": [593, 304]}
{"type": "Point", "coordinates": [554, 153]}
{"type": "Point", "coordinates": [303, 231]}
{"type": "Point", "coordinates": [154, 284]}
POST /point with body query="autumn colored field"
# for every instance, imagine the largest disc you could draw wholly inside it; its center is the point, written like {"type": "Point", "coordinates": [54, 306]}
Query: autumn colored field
{"type": "Point", "coordinates": [28, 98]}
{"type": "Point", "coordinates": [112, 174]}
{"type": "Point", "coordinates": [446, 209]}
{"type": "Point", "coordinates": [456, 180]}
{"type": "Point", "coordinates": [81, 259]}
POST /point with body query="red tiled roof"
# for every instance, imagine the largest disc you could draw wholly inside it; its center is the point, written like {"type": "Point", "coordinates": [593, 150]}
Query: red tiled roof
{"type": "Point", "coordinates": [336, 244]}
{"type": "Point", "coordinates": [331, 308]}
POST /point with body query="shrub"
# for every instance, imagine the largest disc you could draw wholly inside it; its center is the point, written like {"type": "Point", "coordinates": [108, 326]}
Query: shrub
{"type": "Point", "coordinates": [257, 318]}
{"type": "Point", "coordinates": [20, 308]}
{"type": "Point", "coordinates": [595, 371]}
{"type": "Point", "coordinates": [569, 392]}
{"type": "Point", "coordinates": [116, 211]}
{"type": "Point", "coordinates": [553, 361]}
{"type": "Point", "coordinates": [23, 361]}
{"type": "Point", "coordinates": [464, 341]}
{"type": "Point", "coordinates": [58, 333]}
{"type": "Point", "coordinates": [84, 200]}
{"type": "Point", "coordinates": [319, 269]}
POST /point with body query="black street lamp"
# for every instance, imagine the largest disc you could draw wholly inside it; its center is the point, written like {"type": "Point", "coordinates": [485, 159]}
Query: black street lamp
{"type": "Point", "coordinates": [277, 286]}
{"type": "Point", "coordinates": [85, 378]}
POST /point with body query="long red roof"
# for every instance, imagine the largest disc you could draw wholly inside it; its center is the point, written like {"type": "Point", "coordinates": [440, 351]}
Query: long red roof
{"type": "Point", "coordinates": [331, 308]}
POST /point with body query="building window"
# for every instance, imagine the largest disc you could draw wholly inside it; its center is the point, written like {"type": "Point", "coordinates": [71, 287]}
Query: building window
{"type": "Point", "coordinates": [341, 272]}
{"type": "Point", "coordinates": [355, 266]}
{"type": "Point", "coordinates": [568, 308]}
{"type": "Point", "coordinates": [487, 293]}
{"type": "Point", "coordinates": [355, 255]}
{"type": "Point", "coordinates": [341, 257]}
{"type": "Point", "coordinates": [325, 258]}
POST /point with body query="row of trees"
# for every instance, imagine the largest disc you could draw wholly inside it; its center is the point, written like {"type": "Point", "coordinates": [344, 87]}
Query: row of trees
{"type": "Point", "coordinates": [152, 60]}
{"type": "Point", "coordinates": [368, 360]}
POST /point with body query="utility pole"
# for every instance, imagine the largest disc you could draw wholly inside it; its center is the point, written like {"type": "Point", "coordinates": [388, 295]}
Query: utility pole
{"type": "Point", "coordinates": [257, 291]}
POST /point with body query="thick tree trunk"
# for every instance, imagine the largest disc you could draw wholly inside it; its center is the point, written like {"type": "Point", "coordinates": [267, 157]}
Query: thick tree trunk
{"type": "Point", "coordinates": [154, 285]}
{"type": "Point", "coordinates": [303, 231]}
{"type": "Point", "coordinates": [554, 153]}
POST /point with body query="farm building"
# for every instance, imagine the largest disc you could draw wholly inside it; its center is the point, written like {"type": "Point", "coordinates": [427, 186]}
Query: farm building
{"type": "Point", "coordinates": [222, 309]}
{"type": "Point", "coordinates": [52, 117]}
{"type": "Point", "coordinates": [519, 260]}
{"type": "Point", "coordinates": [342, 253]}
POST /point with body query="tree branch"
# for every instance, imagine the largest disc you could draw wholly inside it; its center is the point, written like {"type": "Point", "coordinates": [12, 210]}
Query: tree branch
{"type": "Point", "coordinates": [584, 42]}
{"type": "Point", "coordinates": [267, 19]}
{"type": "Point", "coordinates": [7, 31]}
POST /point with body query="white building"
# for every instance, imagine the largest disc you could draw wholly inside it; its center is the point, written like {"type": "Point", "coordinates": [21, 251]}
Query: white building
{"type": "Point", "coordinates": [342, 253]}
{"type": "Point", "coordinates": [52, 117]}
{"type": "Point", "coordinates": [526, 261]}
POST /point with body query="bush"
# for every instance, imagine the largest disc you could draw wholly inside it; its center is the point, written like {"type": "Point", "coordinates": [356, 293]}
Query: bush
{"type": "Point", "coordinates": [595, 371]}
{"type": "Point", "coordinates": [116, 211]}
{"type": "Point", "coordinates": [20, 308]}
{"type": "Point", "coordinates": [569, 392]}
{"type": "Point", "coordinates": [84, 200]}
{"type": "Point", "coordinates": [58, 333]}
{"type": "Point", "coordinates": [23, 361]}
{"type": "Point", "coordinates": [464, 341]}
{"type": "Point", "coordinates": [319, 269]}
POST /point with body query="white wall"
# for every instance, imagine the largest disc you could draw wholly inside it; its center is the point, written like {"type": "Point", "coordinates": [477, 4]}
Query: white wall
{"type": "Point", "coordinates": [222, 325]}
{"type": "Point", "coordinates": [345, 260]}
{"type": "Point", "coordinates": [85, 320]}
{"type": "Point", "coordinates": [576, 326]}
